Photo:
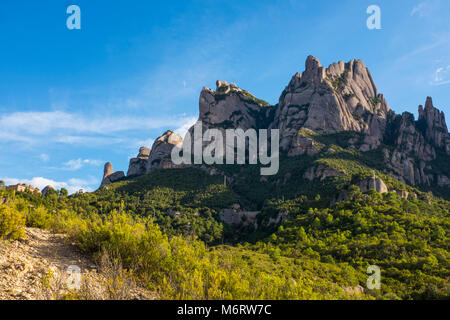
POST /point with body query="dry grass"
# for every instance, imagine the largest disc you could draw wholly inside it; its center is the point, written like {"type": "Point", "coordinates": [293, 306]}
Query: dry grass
{"type": "Point", "coordinates": [110, 282]}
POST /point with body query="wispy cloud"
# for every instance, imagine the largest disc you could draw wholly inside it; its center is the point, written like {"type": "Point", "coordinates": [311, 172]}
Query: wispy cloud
{"type": "Point", "coordinates": [77, 164]}
{"type": "Point", "coordinates": [186, 126]}
{"type": "Point", "coordinates": [421, 10]}
{"type": "Point", "coordinates": [426, 48]}
{"type": "Point", "coordinates": [44, 157]}
{"type": "Point", "coordinates": [45, 122]}
{"type": "Point", "coordinates": [441, 76]}
{"type": "Point", "coordinates": [70, 128]}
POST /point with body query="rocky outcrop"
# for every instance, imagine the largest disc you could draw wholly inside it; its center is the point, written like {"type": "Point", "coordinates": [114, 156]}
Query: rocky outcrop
{"type": "Point", "coordinates": [109, 176]}
{"type": "Point", "coordinates": [159, 157]}
{"type": "Point", "coordinates": [432, 122]}
{"type": "Point", "coordinates": [318, 102]}
{"type": "Point", "coordinates": [138, 165]}
{"type": "Point", "coordinates": [239, 218]}
{"type": "Point", "coordinates": [321, 172]}
{"type": "Point", "coordinates": [156, 158]}
{"type": "Point", "coordinates": [47, 190]}
{"type": "Point", "coordinates": [231, 107]}
{"type": "Point", "coordinates": [342, 97]}
{"type": "Point", "coordinates": [373, 183]}
{"type": "Point", "coordinates": [415, 144]}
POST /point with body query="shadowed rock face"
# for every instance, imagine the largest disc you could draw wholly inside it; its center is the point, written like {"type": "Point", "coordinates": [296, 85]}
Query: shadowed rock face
{"type": "Point", "coordinates": [340, 98]}
{"type": "Point", "coordinates": [432, 121]}
{"type": "Point", "coordinates": [156, 158]}
{"type": "Point", "coordinates": [138, 165]}
{"type": "Point", "coordinates": [161, 151]}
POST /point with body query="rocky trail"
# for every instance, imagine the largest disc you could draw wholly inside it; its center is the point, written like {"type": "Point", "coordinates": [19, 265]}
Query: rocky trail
{"type": "Point", "coordinates": [26, 264]}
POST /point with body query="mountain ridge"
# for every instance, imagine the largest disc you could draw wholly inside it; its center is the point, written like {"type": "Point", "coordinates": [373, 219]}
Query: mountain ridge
{"type": "Point", "coordinates": [323, 101]}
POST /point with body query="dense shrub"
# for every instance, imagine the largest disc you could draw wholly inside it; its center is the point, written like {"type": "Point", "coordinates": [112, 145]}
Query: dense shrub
{"type": "Point", "coordinates": [12, 223]}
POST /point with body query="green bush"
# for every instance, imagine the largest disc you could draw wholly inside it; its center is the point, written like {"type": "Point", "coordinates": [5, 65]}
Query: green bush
{"type": "Point", "coordinates": [12, 223]}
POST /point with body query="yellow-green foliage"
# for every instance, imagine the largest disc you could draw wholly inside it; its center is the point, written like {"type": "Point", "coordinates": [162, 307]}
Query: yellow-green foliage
{"type": "Point", "coordinates": [12, 222]}
{"type": "Point", "coordinates": [187, 269]}
{"type": "Point", "coordinates": [38, 218]}
{"type": "Point", "coordinates": [180, 268]}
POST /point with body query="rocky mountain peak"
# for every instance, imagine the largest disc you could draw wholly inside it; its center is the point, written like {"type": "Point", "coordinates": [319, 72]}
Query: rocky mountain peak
{"type": "Point", "coordinates": [314, 72]}
{"type": "Point", "coordinates": [318, 102]}
{"type": "Point", "coordinates": [342, 97]}
{"type": "Point", "coordinates": [231, 107]}
{"type": "Point", "coordinates": [312, 63]}
{"type": "Point", "coordinates": [169, 137]}
{"type": "Point", "coordinates": [432, 122]}
{"type": "Point", "coordinates": [144, 152]}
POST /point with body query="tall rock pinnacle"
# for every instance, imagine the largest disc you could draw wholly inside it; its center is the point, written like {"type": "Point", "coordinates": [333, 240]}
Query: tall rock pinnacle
{"type": "Point", "coordinates": [109, 176]}
{"type": "Point", "coordinates": [433, 122]}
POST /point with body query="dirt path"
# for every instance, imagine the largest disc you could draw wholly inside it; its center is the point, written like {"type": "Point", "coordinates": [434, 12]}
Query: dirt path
{"type": "Point", "coordinates": [24, 263]}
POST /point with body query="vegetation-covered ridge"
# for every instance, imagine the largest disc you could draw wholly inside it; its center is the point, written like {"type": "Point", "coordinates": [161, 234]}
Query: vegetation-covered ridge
{"type": "Point", "coordinates": [178, 267]}
{"type": "Point", "coordinates": [166, 227]}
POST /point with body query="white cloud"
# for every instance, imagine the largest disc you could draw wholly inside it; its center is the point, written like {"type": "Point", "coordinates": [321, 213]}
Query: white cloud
{"type": "Point", "coordinates": [186, 126]}
{"type": "Point", "coordinates": [70, 128]}
{"type": "Point", "coordinates": [144, 143]}
{"type": "Point", "coordinates": [41, 123]}
{"type": "Point", "coordinates": [77, 164]}
{"type": "Point", "coordinates": [441, 76]}
{"type": "Point", "coordinates": [73, 185]}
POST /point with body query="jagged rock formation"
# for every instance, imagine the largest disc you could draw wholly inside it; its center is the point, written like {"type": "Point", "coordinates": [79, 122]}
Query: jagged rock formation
{"type": "Point", "coordinates": [138, 165]}
{"type": "Point", "coordinates": [432, 121]}
{"type": "Point", "coordinates": [159, 157]}
{"type": "Point", "coordinates": [323, 101]}
{"type": "Point", "coordinates": [109, 176]}
{"type": "Point", "coordinates": [342, 97]}
{"type": "Point", "coordinates": [231, 107]}
{"type": "Point", "coordinates": [416, 144]}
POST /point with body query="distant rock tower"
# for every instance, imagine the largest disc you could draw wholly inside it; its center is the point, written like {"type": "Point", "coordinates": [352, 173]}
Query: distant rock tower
{"type": "Point", "coordinates": [138, 165]}
{"type": "Point", "coordinates": [109, 176]}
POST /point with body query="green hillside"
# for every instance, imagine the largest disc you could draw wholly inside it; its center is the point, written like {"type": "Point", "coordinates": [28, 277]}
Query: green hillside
{"type": "Point", "coordinates": [166, 226]}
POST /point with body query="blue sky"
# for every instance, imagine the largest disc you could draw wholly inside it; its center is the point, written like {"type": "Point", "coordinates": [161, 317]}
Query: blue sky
{"type": "Point", "coordinates": [70, 100]}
